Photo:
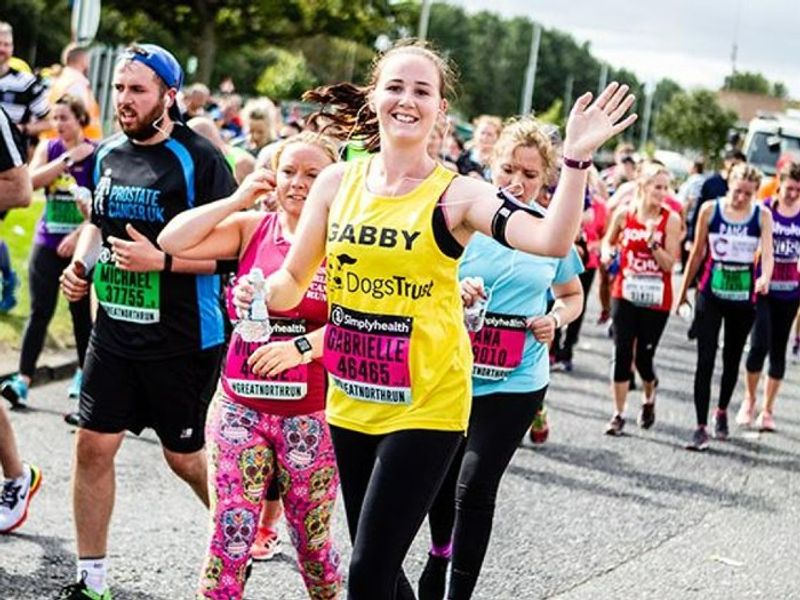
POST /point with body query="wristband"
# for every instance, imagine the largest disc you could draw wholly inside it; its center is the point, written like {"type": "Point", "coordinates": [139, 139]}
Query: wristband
{"type": "Point", "coordinates": [167, 263]}
{"type": "Point", "coordinates": [556, 318]}
{"type": "Point", "coordinates": [581, 165]}
{"type": "Point", "coordinates": [654, 246]}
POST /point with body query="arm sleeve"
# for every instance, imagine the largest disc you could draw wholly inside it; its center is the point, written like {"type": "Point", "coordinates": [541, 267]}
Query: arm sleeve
{"type": "Point", "coordinates": [12, 149]}
{"type": "Point", "coordinates": [568, 267]}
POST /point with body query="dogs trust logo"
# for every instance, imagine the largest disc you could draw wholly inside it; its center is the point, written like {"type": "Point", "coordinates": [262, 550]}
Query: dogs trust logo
{"type": "Point", "coordinates": [336, 269]}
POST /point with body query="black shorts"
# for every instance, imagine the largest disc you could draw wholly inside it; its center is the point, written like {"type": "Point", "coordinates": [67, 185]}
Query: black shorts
{"type": "Point", "coordinates": [169, 395]}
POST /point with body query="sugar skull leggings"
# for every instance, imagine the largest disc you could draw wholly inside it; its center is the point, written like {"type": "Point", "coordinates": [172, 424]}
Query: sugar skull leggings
{"type": "Point", "coordinates": [246, 449]}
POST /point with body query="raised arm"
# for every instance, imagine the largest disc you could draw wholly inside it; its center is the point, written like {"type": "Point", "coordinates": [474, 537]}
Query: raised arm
{"type": "Point", "coordinates": [589, 126]}
{"type": "Point", "coordinates": [288, 284]}
{"type": "Point", "coordinates": [218, 229]}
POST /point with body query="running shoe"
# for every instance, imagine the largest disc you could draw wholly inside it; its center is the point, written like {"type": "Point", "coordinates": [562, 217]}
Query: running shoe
{"type": "Point", "coordinates": [615, 426]}
{"type": "Point", "coordinates": [765, 421]}
{"type": "Point", "coordinates": [432, 580]}
{"type": "Point", "coordinates": [73, 418]}
{"type": "Point", "coordinates": [15, 390]}
{"type": "Point", "coordinates": [80, 591]}
{"type": "Point", "coordinates": [605, 315]}
{"type": "Point", "coordinates": [74, 390]}
{"type": "Point", "coordinates": [8, 300]}
{"type": "Point", "coordinates": [647, 415]}
{"type": "Point", "coordinates": [699, 441]}
{"type": "Point", "coordinates": [15, 498]}
{"type": "Point", "coordinates": [562, 365]}
{"type": "Point", "coordinates": [746, 414]}
{"type": "Point", "coordinates": [540, 430]}
{"type": "Point", "coordinates": [266, 545]}
{"type": "Point", "coordinates": [721, 431]}
{"type": "Point", "coordinates": [796, 350]}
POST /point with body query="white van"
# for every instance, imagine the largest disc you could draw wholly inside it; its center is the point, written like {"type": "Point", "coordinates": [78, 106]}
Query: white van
{"type": "Point", "coordinates": [769, 136]}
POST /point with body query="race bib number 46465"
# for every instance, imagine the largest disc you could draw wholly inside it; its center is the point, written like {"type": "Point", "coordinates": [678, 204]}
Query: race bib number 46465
{"type": "Point", "coordinates": [367, 355]}
{"type": "Point", "coordinates": [127, 296]}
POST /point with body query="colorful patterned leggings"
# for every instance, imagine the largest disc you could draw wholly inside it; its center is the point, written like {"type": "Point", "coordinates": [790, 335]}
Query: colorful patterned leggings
{"type": "Point", "coordinates": [246, 448]}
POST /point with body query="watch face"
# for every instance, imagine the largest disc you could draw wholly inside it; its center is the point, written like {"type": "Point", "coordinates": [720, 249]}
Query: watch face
{"type": "Point", "coordinates": [303, 345]}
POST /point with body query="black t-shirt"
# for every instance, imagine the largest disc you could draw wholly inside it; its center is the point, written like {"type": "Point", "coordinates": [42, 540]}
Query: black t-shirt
{"type": "Point", "coordinates": [12, 148]}
{"type": "Point", "coordinates": [155, 315]}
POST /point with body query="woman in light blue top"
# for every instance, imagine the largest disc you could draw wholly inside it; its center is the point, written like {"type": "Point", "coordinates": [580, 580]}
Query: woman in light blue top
{"type": "Point", "coordinates": [511, 366]}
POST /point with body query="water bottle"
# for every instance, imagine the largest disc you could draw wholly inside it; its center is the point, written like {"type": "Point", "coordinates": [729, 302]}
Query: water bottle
{"type": "Point", "coordinates": [613, 266]}
{"type": "Point", "coordinates": [255, 326]}
{"type": "Point", "coordinates": [475, 314]}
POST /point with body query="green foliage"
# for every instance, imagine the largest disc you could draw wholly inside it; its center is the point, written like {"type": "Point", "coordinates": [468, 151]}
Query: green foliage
{"type": "Point", "coordinates": [695, 121]}
{"type": "Point", "coordinates": [287, 77]}
{"type": "Point", "coordinates": [554, 115]}
{"type": "Point", "coordinates": [755, 83]}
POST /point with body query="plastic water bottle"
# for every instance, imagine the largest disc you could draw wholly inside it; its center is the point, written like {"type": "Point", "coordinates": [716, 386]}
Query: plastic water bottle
{"type": "Point", "coordinates": [613, 266]}
{"type": "Point", "coordinates": [475, 314]}
{"type": "Point", "coordinates": [685, 312]}
{"type": "Point", "coordinates": [255, 326]}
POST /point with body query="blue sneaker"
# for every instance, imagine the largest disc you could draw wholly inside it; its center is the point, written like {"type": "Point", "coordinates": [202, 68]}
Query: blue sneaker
{"type": "Point", "coordinates": [74, 390]}
{"type": "Point", "coordinates": [8, 300]}
{"type": "Point", "coordinates": [15, 390]}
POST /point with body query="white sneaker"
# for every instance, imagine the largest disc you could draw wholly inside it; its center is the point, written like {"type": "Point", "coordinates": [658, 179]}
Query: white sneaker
{"type": "Point", "coordinates": [15, 497]}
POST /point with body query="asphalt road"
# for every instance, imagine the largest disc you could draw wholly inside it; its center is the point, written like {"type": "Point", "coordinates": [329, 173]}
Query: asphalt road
{"type": "Point", "coordinates": [584, 516]}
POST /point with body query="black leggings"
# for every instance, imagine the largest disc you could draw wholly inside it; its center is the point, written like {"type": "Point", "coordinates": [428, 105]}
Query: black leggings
{"type": "Point", "coordinates": [639, 326]}
{"type": "Point", "coordinates": [709, 314]}
{"type": "Point", "coordinates": [564, 350]}
{"type": "Point", "coordinates": [44, 269]}
{"type": "Point", "coordinates": [496, 426]}
{"type": "Point", "coordinates": [771, 330]}
{"type": "Point", "coordinates": [388, 485]}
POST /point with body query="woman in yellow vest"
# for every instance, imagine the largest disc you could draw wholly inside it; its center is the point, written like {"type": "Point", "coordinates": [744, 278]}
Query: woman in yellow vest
{"type": "Point", "coordinates": [392, 228]}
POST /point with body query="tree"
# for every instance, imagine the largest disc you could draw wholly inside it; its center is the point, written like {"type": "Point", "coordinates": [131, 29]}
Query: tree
{"type": "Point", "coordinates": [287, 77]}
{"type": "Point", "coordinates": [695, 121]}
{"type": "Point", "coordinates": [747, 81]}
{"type": "Point", "coordinates": [204, 27]}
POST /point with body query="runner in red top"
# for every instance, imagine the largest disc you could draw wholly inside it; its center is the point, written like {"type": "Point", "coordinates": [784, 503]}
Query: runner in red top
{"type": "Point", "coordinates": [647, 237]}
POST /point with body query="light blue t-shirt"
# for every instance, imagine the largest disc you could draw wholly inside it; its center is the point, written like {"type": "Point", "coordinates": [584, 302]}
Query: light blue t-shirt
{"type": "Point", "coordinates": [519, 283]}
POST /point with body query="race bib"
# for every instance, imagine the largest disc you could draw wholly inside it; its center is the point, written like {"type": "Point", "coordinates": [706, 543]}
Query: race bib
{"type": "Point", "coordinates": [733, 248]}
{"type": "Point", "coordinates": [239, 380]}
{"type": "Point", "coordinates": [732, 282]}
{"type": "Point", "coordinates": [643, 290]}
{"type": "Point", "coordinates": [785, 277]}
{"type": "Point", "coordinates": [61, 213]}
{"type": "Point", "coordinates": [367, 355]}
{"type": "Point", "coordinates": [497, 348]}
{"type": "Point", "coordinates": [127, 296]}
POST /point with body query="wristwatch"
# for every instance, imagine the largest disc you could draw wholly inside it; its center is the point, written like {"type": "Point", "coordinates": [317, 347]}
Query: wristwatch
{"type": "Point", "coordinates": [654, 246]}
{"type": "Point", "coordinates": [67, 160]}
{"type": "Point", "coordinates": [304, 348]}
{"type": "Point", "coordinates": [557, 318]}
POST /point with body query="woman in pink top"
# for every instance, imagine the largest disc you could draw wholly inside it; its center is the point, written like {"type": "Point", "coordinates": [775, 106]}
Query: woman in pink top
{"type": "Point", "coordinates": [267, 418]}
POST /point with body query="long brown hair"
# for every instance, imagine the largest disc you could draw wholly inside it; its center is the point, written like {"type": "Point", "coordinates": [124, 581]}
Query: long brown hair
{"type": "Point", "coordinates": [345, 106]}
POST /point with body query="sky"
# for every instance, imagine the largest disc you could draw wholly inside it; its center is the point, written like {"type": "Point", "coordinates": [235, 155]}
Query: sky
{"type": "Point", "coordinates": [689, 41]}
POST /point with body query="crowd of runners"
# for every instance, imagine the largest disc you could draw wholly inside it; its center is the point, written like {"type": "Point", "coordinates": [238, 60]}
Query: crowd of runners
{"type": "Point", "coordinates": [355, 301]}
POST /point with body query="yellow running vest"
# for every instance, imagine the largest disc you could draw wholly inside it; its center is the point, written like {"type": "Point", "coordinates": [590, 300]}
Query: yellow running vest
{"type": "Point", "coordinates": [396, 348]}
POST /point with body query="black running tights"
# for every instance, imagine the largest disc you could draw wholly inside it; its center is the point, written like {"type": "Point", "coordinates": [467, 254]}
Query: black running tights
{"type": "Point", "coordinates": [709, 316]}
{"type": "Point", "coordinates": [388, 485]}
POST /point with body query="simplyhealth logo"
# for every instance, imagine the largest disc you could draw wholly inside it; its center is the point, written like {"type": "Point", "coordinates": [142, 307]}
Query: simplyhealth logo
{"type": "Point", "coordinates": [342, 277]}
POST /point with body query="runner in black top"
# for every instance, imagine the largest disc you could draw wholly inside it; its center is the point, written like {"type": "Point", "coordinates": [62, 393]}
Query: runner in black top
{"type": "Point", "coordinates": [154, 352]}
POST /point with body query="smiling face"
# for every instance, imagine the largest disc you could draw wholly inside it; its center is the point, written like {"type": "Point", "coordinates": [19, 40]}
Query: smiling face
{"type": "Point", "coordinates": [520, 170]}
{"type": "Point", "coordinates": [407, 98]}
{"type": "Point", "coordinates": [655, 190]}
{"type": "Point", "coordinates": [139, 100]}
{"type": "Point", "coordinates": [298, 167]}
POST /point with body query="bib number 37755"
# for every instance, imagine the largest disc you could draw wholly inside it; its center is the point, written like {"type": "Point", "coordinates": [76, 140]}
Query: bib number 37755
{"type": "Point", "coordinates": [128, 296]}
